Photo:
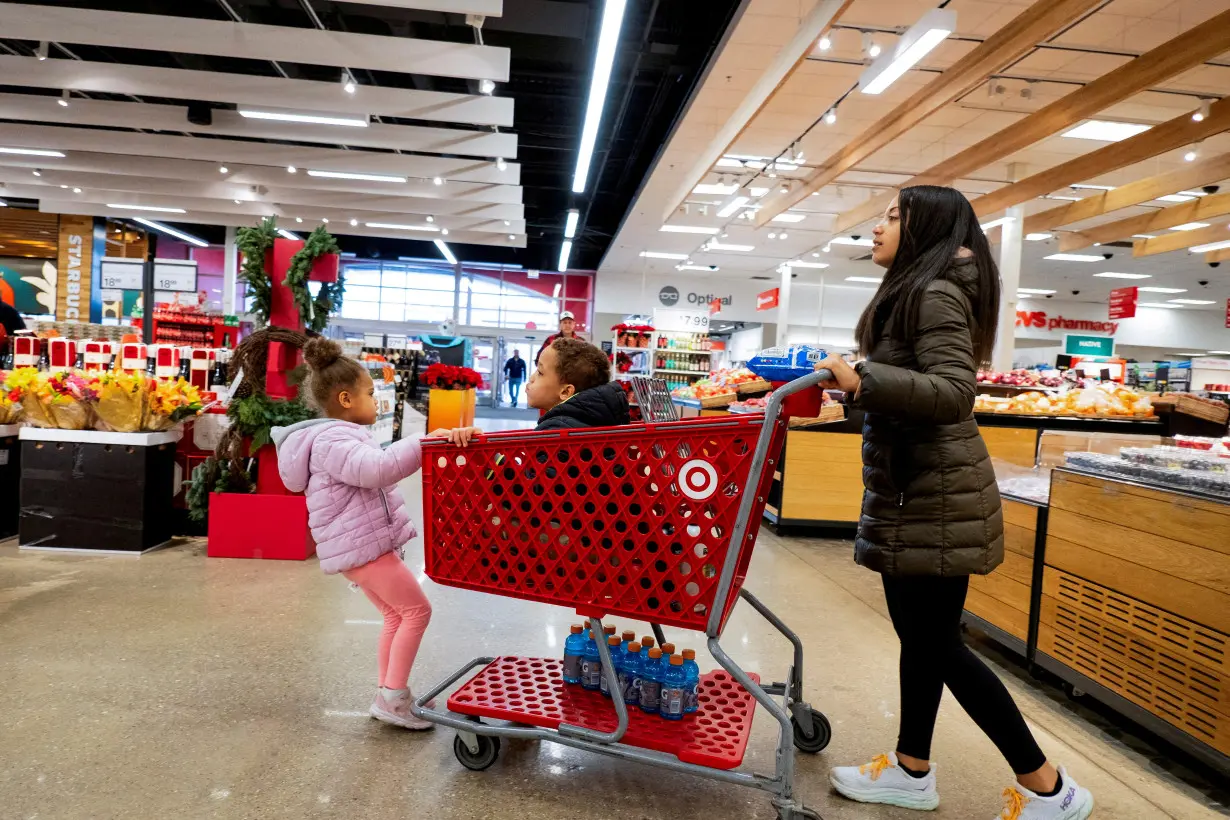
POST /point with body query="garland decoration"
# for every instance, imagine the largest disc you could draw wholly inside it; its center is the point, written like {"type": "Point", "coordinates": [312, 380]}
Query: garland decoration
{"type": "Point", "coordinates": [254, 244]}
{"type": "Point", "coordinates": [315, 311]}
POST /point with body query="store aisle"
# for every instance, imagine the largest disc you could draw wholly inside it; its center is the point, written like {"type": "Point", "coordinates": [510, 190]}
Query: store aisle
{"type": "Point", "coordinates": [181, 687]}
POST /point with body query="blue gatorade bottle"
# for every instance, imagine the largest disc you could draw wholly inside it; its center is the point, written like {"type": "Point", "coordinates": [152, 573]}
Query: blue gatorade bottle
{"type": "Point", "coordinates": [674, 681]}
{"type": "Point", "coordinates": [646, 645]}
{"type": "Point", "coordinates": [574, 654]}
{"type": "Point", "coordinates": [613, 644]}
{"type": "Point", "coordinates": [630, 675]}
{"type": "Point", "coordinates": [651, 681]}
{"type": "Point", "coordinates": [629, 637]}
{"type": "Point", "coordinates": [691, 691]}
{"type": "Point", "coordinates": [591, 664]}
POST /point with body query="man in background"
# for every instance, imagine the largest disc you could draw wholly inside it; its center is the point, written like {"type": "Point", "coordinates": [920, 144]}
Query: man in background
{"type": "Point", "coordinates": [514, 370]}
{"type": "Point", "coordinates": [567, 330]}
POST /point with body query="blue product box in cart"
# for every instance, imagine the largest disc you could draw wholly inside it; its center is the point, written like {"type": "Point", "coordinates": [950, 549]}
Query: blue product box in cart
{"type": "Point", "coordinates": [784, 364]}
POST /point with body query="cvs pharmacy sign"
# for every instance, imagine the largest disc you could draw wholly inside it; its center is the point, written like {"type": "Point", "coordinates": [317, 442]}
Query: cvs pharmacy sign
{"type": "Point", "coordinates": [1040, 319]}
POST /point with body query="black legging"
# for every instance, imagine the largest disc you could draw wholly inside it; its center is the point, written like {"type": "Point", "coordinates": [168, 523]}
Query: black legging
{"type": "Point", "coordinates": [926, 613]}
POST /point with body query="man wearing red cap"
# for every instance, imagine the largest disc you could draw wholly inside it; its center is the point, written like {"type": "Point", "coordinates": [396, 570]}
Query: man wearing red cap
{"type": "Point", "coordinates": [567, 330]}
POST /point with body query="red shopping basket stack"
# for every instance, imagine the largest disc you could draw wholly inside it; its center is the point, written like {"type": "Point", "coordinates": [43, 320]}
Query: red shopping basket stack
{"type": "Point", "coordinates": [634, 521]}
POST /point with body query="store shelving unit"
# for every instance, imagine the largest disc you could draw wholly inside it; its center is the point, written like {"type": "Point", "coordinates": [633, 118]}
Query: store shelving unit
{"type": "Point", "coordinates": [686, 345]}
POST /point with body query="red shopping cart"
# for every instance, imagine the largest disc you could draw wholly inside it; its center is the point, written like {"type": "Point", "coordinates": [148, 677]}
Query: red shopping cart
{"type": "Point", "coordinates": [655, 522]}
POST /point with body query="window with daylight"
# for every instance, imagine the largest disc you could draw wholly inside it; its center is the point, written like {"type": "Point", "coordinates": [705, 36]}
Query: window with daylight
{"type": "Point", "coordinates": [403, 291]}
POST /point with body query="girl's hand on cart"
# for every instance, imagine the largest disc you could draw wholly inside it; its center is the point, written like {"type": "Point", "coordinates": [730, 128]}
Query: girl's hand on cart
{"type": "Point", "coordinates": [459, 436]}
{"type": "Point", "coordinates": [844, 376]}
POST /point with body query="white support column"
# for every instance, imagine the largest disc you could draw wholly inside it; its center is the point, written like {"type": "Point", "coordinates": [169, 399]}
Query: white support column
{"type": "Point", "coordinates": [230, 274]}
{"type": "Point", "coordinates": [820, 315]}
{"type": "Point", "coordinates": [1010, 251]}
{"type": "Point", "coordinates": [783, 305]}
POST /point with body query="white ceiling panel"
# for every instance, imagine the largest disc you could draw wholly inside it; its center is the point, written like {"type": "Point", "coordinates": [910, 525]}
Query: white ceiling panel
{"type": "Point", "coordinates": [490, 8]}
{"type": "Point", "coordinates": [245, 89]}
{"type": "Point", "coordinates": [227, 123]}
{"type": "Point", "coordinates": [78, 168]}
{"type": "Point", "coordinates": [238, 220]}
{"type": "Point", "coordinates": [257, 153]}
{"type": "Point", "coordinates": [253, 41]}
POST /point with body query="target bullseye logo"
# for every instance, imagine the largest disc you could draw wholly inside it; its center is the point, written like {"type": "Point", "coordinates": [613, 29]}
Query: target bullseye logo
{"type": "Point", "coordinates": [698, 480]}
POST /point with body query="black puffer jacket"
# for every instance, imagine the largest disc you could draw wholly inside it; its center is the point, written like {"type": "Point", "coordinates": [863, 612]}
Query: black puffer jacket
{"type": "Point", "coordinates": [603, 406]}
{"type": "Point", "coordinates": [931, 505]}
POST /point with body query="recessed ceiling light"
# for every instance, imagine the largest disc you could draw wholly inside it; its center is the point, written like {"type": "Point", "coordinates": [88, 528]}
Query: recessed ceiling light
{"type": "Point", "coordinates": [444, 231]}
{"type": "Point", "coordinates": [715, 189]}
{"type": "Point", "coordinates": [1190, 226]}
{"type": "Point", "coordinates": [1114, 275]}
{"type": "Point", "coordinates": [1063, 197]}
{"type": "Point", "coordinates": [663, 255]}
{"type": "Point", "coordinates": [76, 190]}
{"type": "Point", "coordinates": [299, 219]}
{"type": "Point", "coordinates": [1176, 198]}
{"type": "Point", "coordinates": [1035, 291]}
{"type": "Point", "coordinates": [486, 86]}
{"type": "Point", "coordinates": [1193, 193]}
{"type": "Point", "coordinates": [728, 210]}
{"type": "Point", "coordinates": [772, 235]}
{"type": "Point", "coordinates": [995, 223]}
{"type": "Point", "coordinates": [31, 152]}
{"type": "Point", "coordinates": [868, 279]}
{"type": "Point", "coordinates": [1038, 237]}
{"type": "Point", "coordinates": [728, 162]}
{"type": "Point", "coordinates": [789, 217]}
{"type": "Point", "coordinates": [797, 264]}
{"type": "Point", "coordinates": [915, 43]}
{"type": "Point", "coordinates": [688, 229]}
{"type": "Point", "coordinates": [1143, 236]}
{"type": "Point", "coordinates": [238, 201]}
{"type": "Point", "coordinates": [146, 208]}
{"type": "Point", "coordinates": [1083, 186]}
{"type": "Point", "coordinates": [393, 226]}
{"type": "Point", "coordinates": [1161, 290]}
{"type": "Point", "coordinates": [37, 172]}
{"type": "Point", "coordinates": [354, 222]}
{"type": "Point", "coordinates": [291, 116]}
{"type": "Point", "coordinates": [862, 241]}
{"type": "Point", "coordinates": [1211, 246]}
{"type": "Point", "coordinates": [757, 193]}
{"type": "Point", "coordinates": [1106, 130]}
{"type": "Point", "coordinates": [290, 169]}
{"type": "Point", "coordinates": [722, 246]}
{"type": "Point", "coordinates": [222, 169]}
{"type": "Point", "coordinates": [1192, 301]}
{"type": "Point", "coordinates": [710, 268]}
{"type": "Point", "coordinates": [501, 164]}
{"type": "Point", "coordinates": [1075, 257]}
{"type": "Point", "coordinates": [348, 175]}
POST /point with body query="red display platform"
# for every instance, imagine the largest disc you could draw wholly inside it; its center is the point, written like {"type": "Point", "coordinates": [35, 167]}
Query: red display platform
{"type": "Point", "coordinates": [246, 525]}
{"type": "Point", "coordinates": [532, 691]}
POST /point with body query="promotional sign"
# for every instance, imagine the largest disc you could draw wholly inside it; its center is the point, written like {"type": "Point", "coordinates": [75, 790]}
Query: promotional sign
{"type": "Point", "coordinates": [1088, 345]}
{"type": "Point", "coordinates": [769, 299]}
{"type": "Point", "coordinates": [76, 257]}
{"type": "Point", "coordinates": [121, 274]}
{"type": "Point", "coordinates": [715, 307]}
{"type": "Point", "coordinates": [1039, 319]}
{"type": "Point", "coordinates": [681, 321]}
{"type": "Point", "coordinates": [1123, 303]}
{"type": "Point", "coordinates": [175, 276]}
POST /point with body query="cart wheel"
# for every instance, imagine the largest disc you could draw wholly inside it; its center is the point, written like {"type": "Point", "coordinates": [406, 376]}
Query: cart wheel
{"type": "Point", "coordinates": [801, 813]}
{"type": "Point", "coordinates": [822, 733]}
{"type": "Point", "coordinates": [488, 751]}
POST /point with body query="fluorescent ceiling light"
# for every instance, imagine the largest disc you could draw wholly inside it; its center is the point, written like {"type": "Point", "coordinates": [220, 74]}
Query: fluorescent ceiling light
{"type": "Point", "coordinates": [661, 255]}
{"type": "Point", "coordinates": [1075, 257]}
{"type": "Point", "coordinates": [445, 252]}
{"type": "Point", "coordinates": [1176, 198]}
{"type": "Point", "coordinates": [1193, 193]}
{"type": "Point", "coordinates": [345, 175]}
{"type": "Point", "coordinates": [1038, 237]}
{"type": "Point", "coordinates": [728, 210]}
{"type": "Point", "coordinates": [288, 234]}
{"type": "Point", "coordinates": [1035, 291]}
{"type": "Point", "coordinates": [3, 204]}
{"type": "Point", "coordinates": [392, 226]}
{"type": "Point", "coordinates": [1083, 186]}
{"type": "Point", "coordinates": [608, 41]}
{"type": "Point", "coordinates": [169, 231]}
{"type": "Point", "coordinates": [1190, 226]}
{"type": "Point", "coordinates": [1192, 301]}
{"type": "Point", "coordinates": [930, 30]}
{"type": "Point", "coordinates": [715, 189]}
{"type": "Point", "coordinates": [1143, 236]}
{"type": "Point", "coordinates": [757, 192]}
{"type": "Point", "coordinates": [565, 251]}
{"type": "Point", "coordinates": [688, 229]}
{"type": "Point", "coordinates": [1061, 196]}
{"type": "Point", "coordinates": [1190, 354]}
{"type": "Point", "coordinates": [1162, 290]}
{"type": "Point", "coordinates": [862, 241]}
{"type": "Point", "coordinates": [995, 223]}
{"type": "Point", "coordinates": [728, 162]}
{"type": "Point", "coordinates": [789, 217]}
{"type": "Point", "coordinates": [722, 246]}
{"type": "Point", "coordinates": [570, 227]}
{"type": "Point", "coordinates": [1160, 304]}
{"type": "Point", "coordinates": [797, 264]}
{"type": "Point", "coordinates": [1212, 246]}
{"type": "Point", "coordinates": [1219, 352]}
{"type": "Point", "coordinates": [31, 152]}
{"type": "Point", "coordinates": [146, 208]}
{"type": "Point", "coordinates": [1106, 130]}
{"type": "Point", "coordinates": [868, 279]}
{"type": "Point", "coordinates": [291, 116]}
{"type": "Point", "coordinates": [1113, 275]}
{"type": "Point", "coordinates": [709, 268]}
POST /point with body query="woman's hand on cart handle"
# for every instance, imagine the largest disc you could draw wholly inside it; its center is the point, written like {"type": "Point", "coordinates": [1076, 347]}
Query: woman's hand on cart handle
{"type": "Point", "coordinates": [460, 436]}
{"type": "Point", "coordinates": [844, 377]}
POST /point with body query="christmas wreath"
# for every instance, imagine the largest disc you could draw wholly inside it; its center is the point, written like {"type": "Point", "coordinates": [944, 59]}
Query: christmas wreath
{"type": "Point", "coordinates": [315, 311]}
{"type": "Point", "coordinates": [254, 244]}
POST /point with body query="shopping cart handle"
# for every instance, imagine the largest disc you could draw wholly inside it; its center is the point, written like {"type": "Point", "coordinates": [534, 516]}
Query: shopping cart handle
{"type": "Point", "coordinates": [823, 374]}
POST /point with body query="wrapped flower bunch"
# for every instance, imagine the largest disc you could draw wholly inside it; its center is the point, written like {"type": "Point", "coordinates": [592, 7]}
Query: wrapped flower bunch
{"type": "Point", "coordinates": [10, 402]}
{"type": "Point", "coordinates": [451, 377]}
{"type": "Point", "coordinates": [132, 402]}
{"type": "Point", "coordinates": [62, 399]}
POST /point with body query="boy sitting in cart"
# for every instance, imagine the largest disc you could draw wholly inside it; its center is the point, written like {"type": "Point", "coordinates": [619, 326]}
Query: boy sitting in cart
{"type": "Point", "coordinates": [572, 383]}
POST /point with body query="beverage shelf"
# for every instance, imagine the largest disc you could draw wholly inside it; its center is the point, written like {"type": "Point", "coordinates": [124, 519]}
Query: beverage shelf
{"type": "Point", "coordinates": [681, 372]}
{"type": "Point", "coordinates": [532, 691]}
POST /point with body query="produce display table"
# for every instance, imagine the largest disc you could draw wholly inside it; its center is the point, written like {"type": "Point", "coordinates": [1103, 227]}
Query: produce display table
{"type": "Point", "coordinates": [10, 479]}
{"type": "Point", "coordinates": [83, 490]}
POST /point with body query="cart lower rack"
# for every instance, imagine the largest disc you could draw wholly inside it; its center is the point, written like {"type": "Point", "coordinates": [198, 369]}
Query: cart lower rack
{"type": "Point", "coordinates": [656, 522]}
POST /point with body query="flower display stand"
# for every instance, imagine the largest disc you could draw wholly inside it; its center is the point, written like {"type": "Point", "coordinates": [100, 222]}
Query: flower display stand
{"type": "Point", "coordinates": [272, 522]}
{"type": "Point", "coordinates": [10, 479]}
{"type": "Point", "coordinates": [450, 408]}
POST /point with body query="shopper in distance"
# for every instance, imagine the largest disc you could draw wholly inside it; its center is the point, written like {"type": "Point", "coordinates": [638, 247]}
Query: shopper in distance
{"type": "Point", "coordinates": [567, 330]}
{"type": "Point", "coordinates": [931, 512]}
{"type": "Point", "coordinates": [356, 514]}
{"type": "Point", "coordinates": [514, 371]}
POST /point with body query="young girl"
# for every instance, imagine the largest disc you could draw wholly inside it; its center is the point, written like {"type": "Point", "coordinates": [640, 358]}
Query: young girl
{"type": "Point", "coordinates": [355, 513]}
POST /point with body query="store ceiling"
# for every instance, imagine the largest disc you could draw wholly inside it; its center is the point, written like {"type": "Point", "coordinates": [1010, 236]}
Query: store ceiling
{"type": "Point", "coordinates": [758, 104]}
{"type": "Point", "coordinates": [131, 69]}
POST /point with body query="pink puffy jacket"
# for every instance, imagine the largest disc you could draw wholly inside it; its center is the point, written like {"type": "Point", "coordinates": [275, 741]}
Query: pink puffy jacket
{"type": "Point", "coordinates": [354, 510]}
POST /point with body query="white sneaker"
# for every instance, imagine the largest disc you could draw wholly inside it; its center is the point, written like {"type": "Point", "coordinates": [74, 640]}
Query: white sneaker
{"type": "Point", "coordinates": [1073, 802]}
{"type": "Point", "coordinates": [396, 712]}
{"type": "Point", "coordinates": [884, 781]}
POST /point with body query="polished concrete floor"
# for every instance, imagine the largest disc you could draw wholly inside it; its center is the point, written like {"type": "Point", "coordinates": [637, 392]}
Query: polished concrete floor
{"type": "Point", "coordinates": [176, 686]}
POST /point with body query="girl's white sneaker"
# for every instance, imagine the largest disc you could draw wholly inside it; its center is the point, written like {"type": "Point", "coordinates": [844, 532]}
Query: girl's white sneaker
{"type": "Point", "coordinates": [1073, 802]}
{"type": "Point", "coordinates": [396, 712]}
{"type": "Point", "coordinates": [884, 781]}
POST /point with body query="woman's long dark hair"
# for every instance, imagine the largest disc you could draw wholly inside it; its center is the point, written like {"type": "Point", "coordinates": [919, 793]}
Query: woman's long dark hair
{"type": "Point", "coordinates": [936, 223]}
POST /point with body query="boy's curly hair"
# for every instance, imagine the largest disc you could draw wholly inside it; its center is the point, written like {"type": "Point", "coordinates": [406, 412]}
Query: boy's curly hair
{"type": "Point", "coordinates": [581, 364]}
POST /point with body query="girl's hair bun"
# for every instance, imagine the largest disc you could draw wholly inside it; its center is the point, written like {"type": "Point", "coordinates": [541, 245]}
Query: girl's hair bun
{"type": "Point", "coordinates": [320, 352]}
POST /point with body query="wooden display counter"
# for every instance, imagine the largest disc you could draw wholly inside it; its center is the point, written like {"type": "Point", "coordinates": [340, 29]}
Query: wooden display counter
{"type": "Point", "coordinates": [1135, 608]}
{"type": "Point", "coordinates": [819, 482]}
{"type": "Point", "coordinates": [1004, 604]}
{"type": "Point", "coordinates": [1015, 439]}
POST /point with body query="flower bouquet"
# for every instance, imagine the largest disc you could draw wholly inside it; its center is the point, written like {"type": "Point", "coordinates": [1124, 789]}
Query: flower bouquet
{"type": "Point", "coordinates": [10, 402]}
{"type": "Point", "coordinates": [133, 402]}
{"type": "Point", "coordinates": [451, 377]}
{"type": "Point", "coordinates": [63, 399]}
{"type": "Point", "coordinates": [170, 402]}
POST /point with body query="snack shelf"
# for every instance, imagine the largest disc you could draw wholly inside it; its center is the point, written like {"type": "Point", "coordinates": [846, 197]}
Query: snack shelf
{"type": "Point", "coordinates": [531, 691]}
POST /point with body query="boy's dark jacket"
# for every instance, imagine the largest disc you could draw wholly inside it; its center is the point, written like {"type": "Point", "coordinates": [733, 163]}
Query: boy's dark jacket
{"type": "Point", "coordinates": [603, 406]}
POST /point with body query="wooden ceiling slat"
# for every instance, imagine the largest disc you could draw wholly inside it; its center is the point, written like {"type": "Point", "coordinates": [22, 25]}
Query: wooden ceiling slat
{"type": "Point", "coordinates": [1180, 240]}
{"type": "Point", "coordinates": [1198, 210]}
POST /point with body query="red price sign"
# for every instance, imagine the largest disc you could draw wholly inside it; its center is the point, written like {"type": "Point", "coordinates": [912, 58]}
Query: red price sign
{"type": "Point", "coordinates": [769, 299]}
{"type": "Point", "coordinates": [1123, 303]}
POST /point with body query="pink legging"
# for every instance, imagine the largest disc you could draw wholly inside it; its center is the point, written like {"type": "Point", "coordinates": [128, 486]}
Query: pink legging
{"type": "Point", "coordinates": [388, 583]}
